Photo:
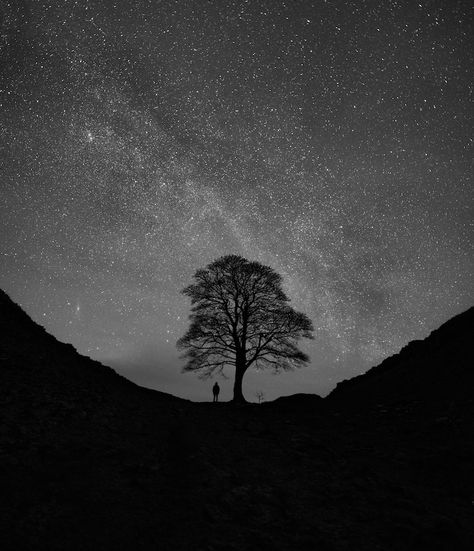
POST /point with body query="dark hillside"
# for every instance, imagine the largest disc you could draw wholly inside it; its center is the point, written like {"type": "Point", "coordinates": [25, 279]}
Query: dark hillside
{"type": "Point", "coordinates": [91, 461]}
{"type": "Point", "coordinates": [438, 368]}
{"type": "Point", "coordinates": [29, 353]}
{"type": "Point", "coordinates": [73, 435]}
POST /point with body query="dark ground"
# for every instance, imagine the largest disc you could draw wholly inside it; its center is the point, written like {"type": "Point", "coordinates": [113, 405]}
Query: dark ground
{"type": "Point", "coordinates": [91, 461]}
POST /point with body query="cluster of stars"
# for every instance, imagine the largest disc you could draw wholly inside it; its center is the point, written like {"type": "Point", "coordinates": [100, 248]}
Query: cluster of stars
{"type": "Point", "coordinates": [329, 140]}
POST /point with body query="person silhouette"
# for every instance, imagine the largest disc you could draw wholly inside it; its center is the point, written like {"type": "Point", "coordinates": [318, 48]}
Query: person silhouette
{"type": "Point", "coordinates": [215, 392]}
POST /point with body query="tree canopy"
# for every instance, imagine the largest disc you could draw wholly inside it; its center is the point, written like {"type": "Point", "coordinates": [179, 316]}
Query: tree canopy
{"type": "Point", "coordinates": [241, 317]}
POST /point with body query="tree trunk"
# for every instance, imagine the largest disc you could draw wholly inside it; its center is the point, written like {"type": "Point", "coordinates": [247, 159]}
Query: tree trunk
{"type": "Point", "coordinates": [239, 375]}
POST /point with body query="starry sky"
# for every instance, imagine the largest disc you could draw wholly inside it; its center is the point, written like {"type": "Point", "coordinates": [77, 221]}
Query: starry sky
{"type": "Point", "coordinates": [329, 139]}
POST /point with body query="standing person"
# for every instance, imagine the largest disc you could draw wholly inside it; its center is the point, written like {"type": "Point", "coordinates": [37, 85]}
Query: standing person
{"type": "Point", "coordinates": [215, 392]}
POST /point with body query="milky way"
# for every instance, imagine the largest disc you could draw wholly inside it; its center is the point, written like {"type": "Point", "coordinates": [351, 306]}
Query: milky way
{"type": "Point", "coordinates": [331, 140]}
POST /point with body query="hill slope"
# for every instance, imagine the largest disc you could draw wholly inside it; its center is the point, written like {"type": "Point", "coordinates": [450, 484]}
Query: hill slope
{"type": "Point", "coordinates": [91, 461]}
{"type": "Point", "coordinates": [73, 435]}
{"type": "Point", "coordinates": [435, 369]}
{"type": "Point", "coordinates": [31, 356]}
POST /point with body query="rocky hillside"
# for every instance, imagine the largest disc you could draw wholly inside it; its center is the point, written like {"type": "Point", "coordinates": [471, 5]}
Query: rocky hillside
{"type": "Point", "coordinates": [438, 368]}
{"type": "Point", "coordinates": [91, 461]}
{"type": "Point", "coordinates": [33, 358]}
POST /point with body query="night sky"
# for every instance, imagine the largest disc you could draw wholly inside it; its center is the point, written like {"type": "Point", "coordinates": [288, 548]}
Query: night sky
{"type": "Point", "coordinates": [331, 140]}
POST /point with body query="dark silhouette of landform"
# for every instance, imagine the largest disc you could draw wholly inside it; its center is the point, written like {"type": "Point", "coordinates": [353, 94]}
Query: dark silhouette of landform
{"type": "Point", "coordinates": [93, 461]}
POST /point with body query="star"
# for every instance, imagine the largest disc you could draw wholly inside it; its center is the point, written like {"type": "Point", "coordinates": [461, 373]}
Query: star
{"type": "Point", "coordinates": [143, 141]}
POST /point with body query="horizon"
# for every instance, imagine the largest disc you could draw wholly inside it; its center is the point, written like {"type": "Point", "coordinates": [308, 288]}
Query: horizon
{"type": "Point", "coordinates": [330, 141]}
{"type": "Point", "coordinates": [226, 397]}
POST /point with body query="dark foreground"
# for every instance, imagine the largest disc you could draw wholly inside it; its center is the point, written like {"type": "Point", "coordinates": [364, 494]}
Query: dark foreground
{"type": "Point", "coordinates": [152, 475]}
{"type": "Point", "coordinates": [92, 462]}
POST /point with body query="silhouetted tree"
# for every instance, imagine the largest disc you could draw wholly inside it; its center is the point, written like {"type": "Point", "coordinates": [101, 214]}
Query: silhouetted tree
{"type": "Point", "coordinates": [240, 317]}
